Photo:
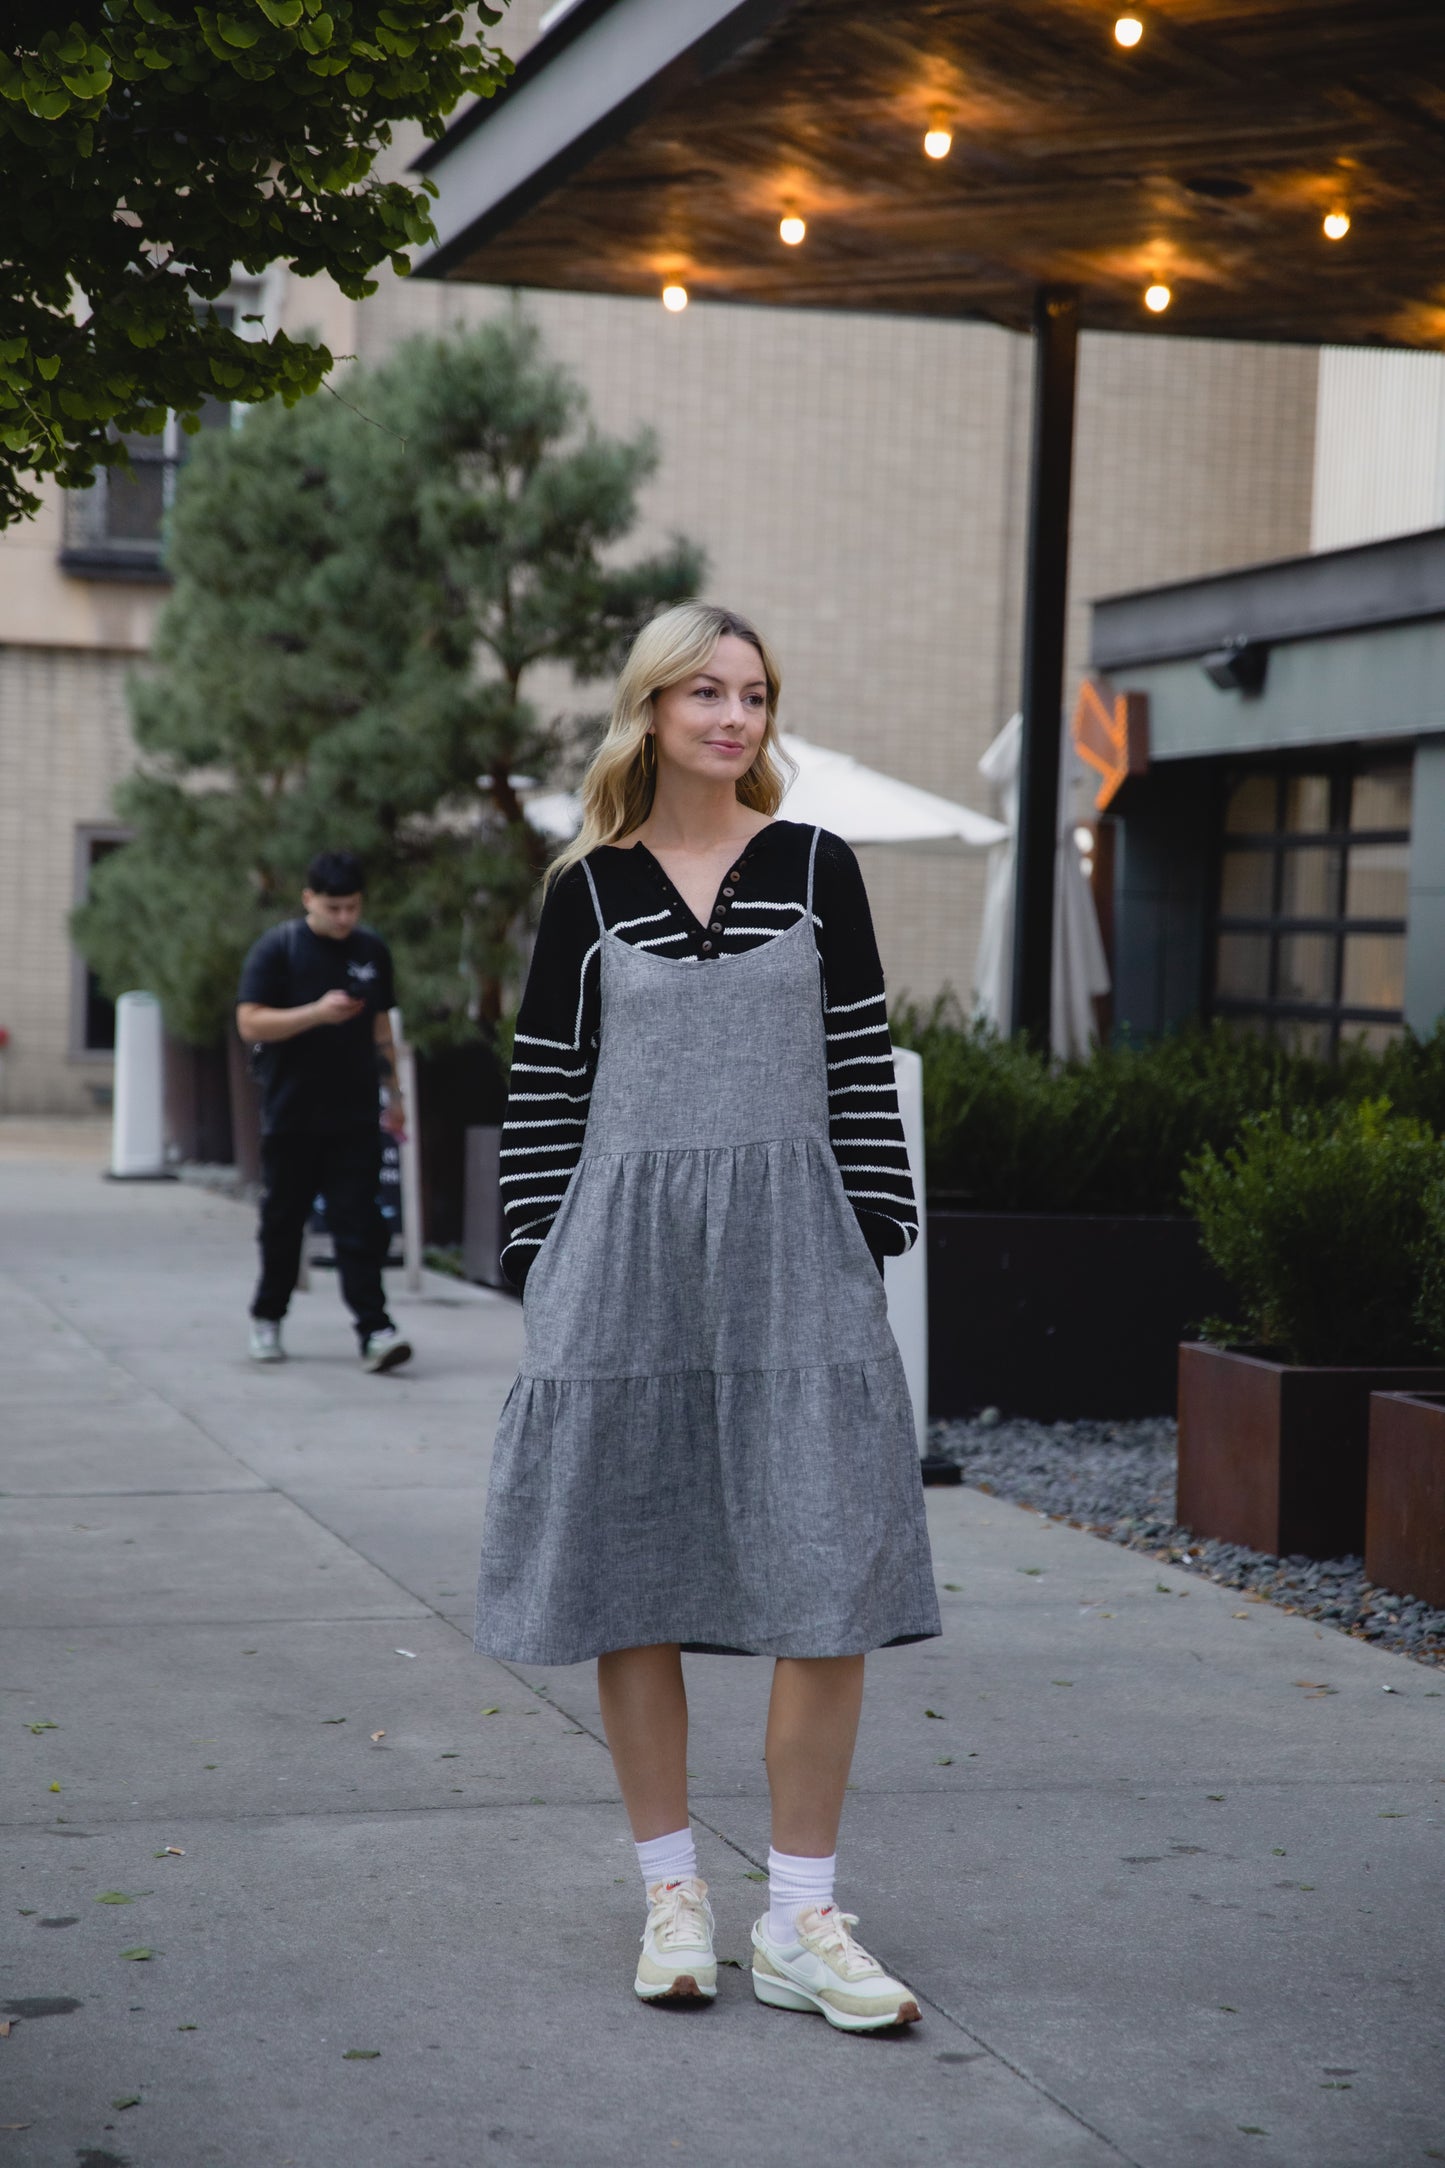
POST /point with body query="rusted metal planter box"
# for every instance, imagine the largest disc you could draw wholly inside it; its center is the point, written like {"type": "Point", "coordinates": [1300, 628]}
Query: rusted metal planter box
{"type": "Point", "coordinates": [1059, 1315]}
{"type": "Point", "coordinates": [1405, 1506]}
{"type": "Point", "coordinates": [1273, 1455]}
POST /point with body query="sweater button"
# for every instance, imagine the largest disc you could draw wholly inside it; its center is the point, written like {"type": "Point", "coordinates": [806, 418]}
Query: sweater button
{"type": "Point", "coordinates": [707, 948]}
{"type": "Point", "coordinates": [728, 891]}
{"type": "Point", "coordinates": [735, 875]}
{"type": "Point", "coordinates": [716, 926]}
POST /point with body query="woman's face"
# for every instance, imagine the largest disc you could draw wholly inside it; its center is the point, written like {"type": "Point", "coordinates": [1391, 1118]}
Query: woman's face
{"type": "Point", "coordinates": [711, 724]}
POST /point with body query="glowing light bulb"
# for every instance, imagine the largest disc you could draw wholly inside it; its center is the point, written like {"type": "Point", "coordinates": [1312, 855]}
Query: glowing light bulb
{"type": "Point", "coordinates": [792, 231]}
{"type": "Point", "coordinates": [674, 298]}
{"type": "Point", "coordinates": [1158, 299]}
{"type": "Point", "coordinates": [1337, 225]}
{"type": "Point", "coordinates": [938, 142]}
{"type": "Point", "coordinates": [1128, 30]}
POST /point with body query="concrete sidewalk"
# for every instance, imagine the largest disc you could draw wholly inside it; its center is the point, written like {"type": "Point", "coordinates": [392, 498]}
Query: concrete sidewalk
{"type": "Point", "coordinates": [1164, 1866]}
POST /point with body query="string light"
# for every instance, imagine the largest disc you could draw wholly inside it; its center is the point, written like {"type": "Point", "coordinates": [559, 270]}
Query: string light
{"type": "Point", "coordinates": [1128, 30]}
{"type": "Point", "coordinates": [792, 231]}
{"type": "Point", "coordinates": [1157, 299]}
{"type": "Point", "coordinates": [1337, 225]}
{"type": "Point", "coordinates": [938, 142]}
{"type": "Point", "coordinates": [674, 298]}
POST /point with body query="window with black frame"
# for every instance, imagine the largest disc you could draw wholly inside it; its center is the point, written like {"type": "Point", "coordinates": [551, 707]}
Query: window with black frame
{"type": "Point", "coordinates": [116, 528]}
{"type": "Point", "coordinates": [1309, 944]}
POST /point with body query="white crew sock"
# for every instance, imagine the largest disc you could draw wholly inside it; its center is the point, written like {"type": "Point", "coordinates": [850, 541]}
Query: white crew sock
{"type": "Point", "coordinates": [794, 1883]}
{"type": "Point", "coordinates": [668, 1859]}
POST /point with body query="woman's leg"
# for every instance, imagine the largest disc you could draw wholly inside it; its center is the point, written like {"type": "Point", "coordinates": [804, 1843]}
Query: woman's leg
{"type": "Point", "coordinates": [812, 1726]}
{"type": "Point", "coordinates": [644, 1713]}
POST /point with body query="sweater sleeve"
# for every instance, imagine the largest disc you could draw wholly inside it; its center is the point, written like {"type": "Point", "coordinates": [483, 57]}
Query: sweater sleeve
{"type": "Point", "coordinates": [863, 1118]}
{"type": "Point", "coordinates": [554, 1059]}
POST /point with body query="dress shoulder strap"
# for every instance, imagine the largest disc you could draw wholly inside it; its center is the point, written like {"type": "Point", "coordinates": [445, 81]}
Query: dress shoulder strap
{"type": "Point", "coordinates": [812, 860]}
{"type": "Point", "coordinates": [596, 902]}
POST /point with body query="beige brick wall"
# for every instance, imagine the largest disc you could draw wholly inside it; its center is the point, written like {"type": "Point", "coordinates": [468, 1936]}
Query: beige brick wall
{"type": "Point", "coordinates": [64, 745]}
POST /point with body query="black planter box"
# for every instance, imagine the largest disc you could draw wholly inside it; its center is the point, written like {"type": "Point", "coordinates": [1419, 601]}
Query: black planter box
{"type": "Point", "coordinates": [1056, 1315]}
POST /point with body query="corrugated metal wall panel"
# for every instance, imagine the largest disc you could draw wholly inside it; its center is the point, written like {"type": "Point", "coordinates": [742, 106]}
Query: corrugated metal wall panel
{"type": "Point", "coordinates": [1379, 446]}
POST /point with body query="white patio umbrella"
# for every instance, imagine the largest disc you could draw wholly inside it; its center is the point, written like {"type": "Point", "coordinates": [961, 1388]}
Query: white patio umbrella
{"type": "Point", "coordinates": [1080, 966]}
{"type": "Point", "coordinates": [837, 792]}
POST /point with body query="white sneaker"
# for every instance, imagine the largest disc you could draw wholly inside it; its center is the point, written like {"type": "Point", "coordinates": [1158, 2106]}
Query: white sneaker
{"type": "Point", "coordinates": [385, 1349]}
{"type": "Point", "coordinates": [827, 1971]}
{"type": "Point", "coordinates": [266, 1341]}
{"type": "Point", "coordinates": [677, 1955]}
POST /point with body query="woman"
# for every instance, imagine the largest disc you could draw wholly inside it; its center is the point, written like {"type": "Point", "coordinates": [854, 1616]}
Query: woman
{"type": "Point", "coordinates": [710, 1445]}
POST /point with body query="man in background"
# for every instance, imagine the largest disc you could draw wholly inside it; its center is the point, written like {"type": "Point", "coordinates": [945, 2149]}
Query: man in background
{"type": "Point", "coordinates": [314, 1000]}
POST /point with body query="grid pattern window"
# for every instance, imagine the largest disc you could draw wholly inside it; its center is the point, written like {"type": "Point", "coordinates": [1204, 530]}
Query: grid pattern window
{"type": "Point", "coordinates": [1309, 944]}
{"type": "Point", "coordinates": [116, 528]}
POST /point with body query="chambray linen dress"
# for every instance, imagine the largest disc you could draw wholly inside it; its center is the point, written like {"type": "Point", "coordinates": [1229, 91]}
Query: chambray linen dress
{"type": "Point", "coordinates": [710, 1441]}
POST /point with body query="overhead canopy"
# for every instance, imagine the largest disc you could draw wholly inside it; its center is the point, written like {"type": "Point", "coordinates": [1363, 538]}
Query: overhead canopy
{"type": "Point", "coordinates": [1205, 158]}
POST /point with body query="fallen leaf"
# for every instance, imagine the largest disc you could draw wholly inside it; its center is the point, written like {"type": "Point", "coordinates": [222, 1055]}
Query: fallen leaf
{"type": "Point", "coordinates": [188, 2028]}
{"type": "Point", "coordinates": [1239, 1614]}
{"type": "Point", "coordinates": [1214, 1795]}
{"type": "Point", "coordinates": [735, 1962]}
{"type": "Point", "coordinates": [495, 1711]}
{"type": "Point", "coordinates": [210, 1765]}
{"type": "Point", "coordinates": [119, 1897]}
{"type": "Point", "coordinates": [360, 2055]}
{"type": "Point", "coordinates": [1278, 1851]}
{"type": "Point", "coordinates": [1315, 1686]}
{"type": "Point", "coordinates": [936, 1714]}
{"type": "Point", "coordinates": [754, 1874]}
{"type": "Point", "coordinates": [1228, 2008]}
{"type": "Point", "coordinates": [1390, 1814]}
{"type": "Point", "coordinates": [26, 1912]}
{"type": "Point", "coordinates": [1252, 2130]}
{"type": "Point", "coordinates": [172, 1851]}
{"type": "Point", "coordinates": [377, 1737]}
{"type": "Point", "coordinates": [127, 2100]}
{"type": "Point", "coordinates": [333, 1719]}
{"type": "Point", "coordinates": [449, 1757]}
{"type": "Point", "coordinates": [138, 1956]}
{"type": "Point", "coordinates": [5, 2027]}
{"type": "Point", "coordinates": [943, 1761]}
{"type": "Point", "coordinates": [43, 1725]}
{"type": "Point", "coordinates": [26, 2126]}
{"type": "Point", "coordinates": [1035, 1571]}
{"type": "Point", "coordinates": [1336, 2085]}
{"type": "Point", "coordinates": [55, 1787]}
{"type": "Point", "coordinates": [1061, 1682]}
{"type": "Point", "coordinates": [955, 1588]}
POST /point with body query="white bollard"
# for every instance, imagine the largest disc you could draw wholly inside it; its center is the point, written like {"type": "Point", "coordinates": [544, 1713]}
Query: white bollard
{"type": "Point", "coordinates": [138, 1127]}
{"type": "Point", "coordinates": [905, 1279]}
{"type": "Point", "coordinates": [410, 1160]}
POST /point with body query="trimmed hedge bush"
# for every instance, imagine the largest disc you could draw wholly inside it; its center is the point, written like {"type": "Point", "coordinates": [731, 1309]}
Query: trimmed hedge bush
{"type": "Point", "coordinates": [1009, 1131]}
{"type": "Point", "coordinates": [1330, 1227]}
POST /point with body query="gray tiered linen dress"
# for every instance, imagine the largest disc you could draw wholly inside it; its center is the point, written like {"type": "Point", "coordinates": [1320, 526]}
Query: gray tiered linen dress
{"type": "Point", "coordinates": [710, 1441]}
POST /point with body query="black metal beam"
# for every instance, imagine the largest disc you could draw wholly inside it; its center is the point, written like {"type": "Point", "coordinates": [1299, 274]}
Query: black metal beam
{"type": "Point", "coordinates": [1056, 339]}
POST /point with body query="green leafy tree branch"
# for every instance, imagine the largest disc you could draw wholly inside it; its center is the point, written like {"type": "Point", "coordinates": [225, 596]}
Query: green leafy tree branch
{"type": "Point", "coordinates": [146, 150]}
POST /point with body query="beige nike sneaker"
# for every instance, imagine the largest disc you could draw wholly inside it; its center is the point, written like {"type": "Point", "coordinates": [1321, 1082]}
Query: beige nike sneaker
{"type": "Point", "coordinates": [677, 1960]}
{"type": "Point", "coordinates": [827, 1971]}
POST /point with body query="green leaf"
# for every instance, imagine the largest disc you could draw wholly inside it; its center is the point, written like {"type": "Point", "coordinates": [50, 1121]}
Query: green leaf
{"type": "Point", "coordinates": [44, 1725]}
{"type": "Point", "coordinates": [285, 14]}
{"type": "Point", "coordinates": [138, 1956]}
{"type": "Point", "coordinates": [48, 366]}
{"type": "Point", "coordinates": [360, 2055]}
{"type": "Point", "coordinates": [236, 32]}
{"type": "Point", "coordinates": [126, 2100]}
{"type": "Point", "coordinates": [114, 1897]}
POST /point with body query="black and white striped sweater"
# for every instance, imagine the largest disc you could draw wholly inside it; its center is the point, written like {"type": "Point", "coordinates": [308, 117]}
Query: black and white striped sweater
{"type": "Point", "coordinates": [763, 894]}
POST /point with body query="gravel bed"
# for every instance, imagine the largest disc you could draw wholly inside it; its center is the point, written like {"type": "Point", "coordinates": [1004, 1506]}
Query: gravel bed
{"type": "Point", "coordinates": [1117, 1480]}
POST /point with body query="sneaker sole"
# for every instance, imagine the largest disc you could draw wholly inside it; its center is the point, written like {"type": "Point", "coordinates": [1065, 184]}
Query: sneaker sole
{"type": "Point", "coordinates": [781, 1996]}
{"type": "Point", "coordinates": [683, 1989]}
{"type": "Point", "coordinates": [391, 1360]}
{"type": "Point", "coordinates": [271, 1355]}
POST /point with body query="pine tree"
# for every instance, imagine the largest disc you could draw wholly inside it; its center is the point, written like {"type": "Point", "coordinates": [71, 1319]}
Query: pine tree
{"type": "Point", "coordinates": [362, 592]}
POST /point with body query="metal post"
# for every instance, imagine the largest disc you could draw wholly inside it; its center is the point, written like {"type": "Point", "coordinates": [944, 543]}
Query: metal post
{"type": "Point", "coordinates": [1056, 334]}
{"type": "Point", "coordinates": [410, 1160]}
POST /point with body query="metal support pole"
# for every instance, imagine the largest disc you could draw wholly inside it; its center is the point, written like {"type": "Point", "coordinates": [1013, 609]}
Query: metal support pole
{"type": "Point", "coordinates": [410, 1160]}
{"type": "Point", "coordinates": [1056, 335]}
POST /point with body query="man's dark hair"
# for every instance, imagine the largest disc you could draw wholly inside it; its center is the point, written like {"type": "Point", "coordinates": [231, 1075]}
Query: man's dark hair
{"type": "Point", "coordinates": [336, 873]}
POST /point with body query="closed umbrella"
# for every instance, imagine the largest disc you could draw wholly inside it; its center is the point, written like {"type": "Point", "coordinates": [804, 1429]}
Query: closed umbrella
{"type": "Point", "coordinates": [1080, 966]}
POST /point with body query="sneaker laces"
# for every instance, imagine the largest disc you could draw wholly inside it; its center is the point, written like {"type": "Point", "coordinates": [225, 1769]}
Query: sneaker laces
{"type": "Point", "coordinates": [676, 1913]}
{"type": "Point", "coordinates": [834, 1938]}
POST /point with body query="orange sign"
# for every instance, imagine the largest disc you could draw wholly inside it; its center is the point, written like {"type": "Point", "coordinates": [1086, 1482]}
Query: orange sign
{"type": "Point", "coordinates": [1111, 732]}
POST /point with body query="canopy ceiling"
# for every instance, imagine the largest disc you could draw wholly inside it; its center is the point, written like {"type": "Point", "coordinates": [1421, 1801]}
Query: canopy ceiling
{"type": "Point", "coordinates": [648, 141]}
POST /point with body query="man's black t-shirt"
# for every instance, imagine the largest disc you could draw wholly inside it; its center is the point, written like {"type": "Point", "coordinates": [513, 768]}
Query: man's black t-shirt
{"type": "Point", "coordinates": [325, 1078]}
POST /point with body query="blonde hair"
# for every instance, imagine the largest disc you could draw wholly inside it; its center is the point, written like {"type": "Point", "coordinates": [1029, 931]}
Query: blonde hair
{"type": "Point", "coordinates": [617, 789]}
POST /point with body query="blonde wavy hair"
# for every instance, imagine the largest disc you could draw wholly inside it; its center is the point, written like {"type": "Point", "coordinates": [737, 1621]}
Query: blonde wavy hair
{"type": "Point", "coordinates": [617, 789]}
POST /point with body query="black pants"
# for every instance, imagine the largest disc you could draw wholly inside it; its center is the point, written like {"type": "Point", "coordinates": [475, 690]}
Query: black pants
{"type": "Point", "coordinates": [345, 1169]}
